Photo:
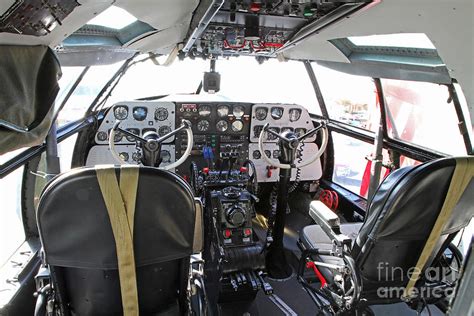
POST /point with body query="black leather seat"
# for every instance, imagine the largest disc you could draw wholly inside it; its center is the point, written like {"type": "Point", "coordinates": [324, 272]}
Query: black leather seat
{"type": "Point", "coordinates": [79, 245]}
{"type": "Point", "coordinates": [398, 222]}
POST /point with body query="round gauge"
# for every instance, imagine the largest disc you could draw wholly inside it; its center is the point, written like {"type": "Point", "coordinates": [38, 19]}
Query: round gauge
{"type": "Point", "coordinates": [136, 157]}
{"type": "Point", "coordinates": [135, 131]}
{"type": "Point", "coordinates": [276, 154]}
{"type": "Point", "coordinates": [268, 153]}
{"type": "Point", "coordinates": [238, 111]}
{"type": "Point", "coordinates": [257, 130]}
{"type": "Point", "coordinates": [277, 113]}
{"type": "Point", "coordinates": [124, 156]}
{"type": "Point", "coordinates": [121, 112]}
{"type": "Point", "coordinates": [165, 156]}
{"type": "Point", "coordinates": [204, 110]}
{"type": "Point", "coordinates": [256, 154]}
{"type": "Point", "coordinates": [222, 110]}
{"type": "Point", "coordinates": [300, 131]}
{"type": "Point", "coordinates": [139, 113]}
{"type": "Point", "coordinates": [237, 126]}
{"type": "Point", "coordinates": [102, 136]}
{"type": "Point", "coordinates": [203, 126]}
{"type": "Point", "coordinates": [295, 115]}
{"type": "Point", "coordinates": [118, 137]}
{"type": "Point", "coordinates": [271, 136]}
{"type": "Point", "coordinates": [161, 114]}
{"type": "Point", "coordinates": [261, 113]}
{"type": "Point", "coordinates": [222, 126]}
{"type": "Point", "coordinates": [163, 130]}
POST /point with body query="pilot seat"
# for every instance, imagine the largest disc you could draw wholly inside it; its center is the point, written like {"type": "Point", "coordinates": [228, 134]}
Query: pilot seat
{"type": "Point", "coordinates": [82, 274]}
{"type": "Point", "coordinates": [409, 225]}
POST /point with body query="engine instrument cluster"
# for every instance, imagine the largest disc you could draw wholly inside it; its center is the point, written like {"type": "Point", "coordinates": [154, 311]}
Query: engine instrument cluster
{"type": "Point", "coordinates": [225, 135]}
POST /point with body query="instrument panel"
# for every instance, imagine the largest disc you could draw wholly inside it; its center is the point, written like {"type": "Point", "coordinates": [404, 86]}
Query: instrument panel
{"type": "Point", "coordinates": [137, 117]}
{"type": "Point", "coordinates": [218, 128]}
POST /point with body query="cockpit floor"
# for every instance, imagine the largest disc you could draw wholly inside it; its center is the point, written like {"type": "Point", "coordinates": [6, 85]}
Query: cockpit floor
{"type": "Point", "coordinates": [289, 296]}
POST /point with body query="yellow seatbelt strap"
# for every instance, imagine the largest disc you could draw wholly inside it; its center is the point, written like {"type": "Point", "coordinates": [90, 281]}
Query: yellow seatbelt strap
{"type": "Point", "coordinates": [120, 204]}
{"type": "Point", "coordinates": [463, 173]}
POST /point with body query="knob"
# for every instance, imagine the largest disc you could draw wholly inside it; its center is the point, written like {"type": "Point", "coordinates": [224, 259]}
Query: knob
{"type": "Point", "coordinates": [236, 216]}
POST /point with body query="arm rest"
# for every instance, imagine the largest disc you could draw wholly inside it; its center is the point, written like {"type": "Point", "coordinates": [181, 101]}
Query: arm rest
{"type": "Point", "coordinates": [322, 215]}
{"type": "Point", "coordinates": [328, 221]}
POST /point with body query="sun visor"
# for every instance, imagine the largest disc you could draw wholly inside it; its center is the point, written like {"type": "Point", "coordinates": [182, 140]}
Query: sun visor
{"type": "Point", "coordinates": [28, 87]}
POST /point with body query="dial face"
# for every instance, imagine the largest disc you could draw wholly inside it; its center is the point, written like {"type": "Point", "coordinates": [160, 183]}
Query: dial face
{"type": "Point", "coordinates": [257, 130]}
{"type": "Point", "coordinates": [161, 114]}
{"type": "Point", "coordinates": [165, 155]}
{"type": "Point", "coordinates": [124, 156]}
{"type": "Point", "coordinates": [237, 126]}
{"type": "Point", "coordinates": [139, 113]}
{"type": "Point", "coordinates": [204, 110]}
{"type": "Point", "coordinates": [268, 153]}
{"type": "Point", "coordinates": [118, 137]}
{"type": "Point", "coordinates": [203, 126]}
{"type": "Point", "coordinates": [163, 130]}
{"type": "Point", "coordinates": [271, 136]}
{"type": "Point", "coordinates": [102, 136]}
{"type": "Point", "coordinates": [295, 115]}
{"type": "Point", "coordinates": [277, 113]}
{"type": "Point", "coordinates": [300, 131]}
{"type": "Point", "coordinates": [256, 154]}
{"type": "Point", "coordinates": [222, 126]}
{"type": "Point", "coordinates": [276, 154]}
{"type": "Point", "coordinates": [238, 111]}
{"type": "Point", "coordinates": [222, 110]}
{"type": "Point", "coordinates": [135, 131]}
{"type": "Point", "coordinates": [121, 112]}
{"type": "Point", "coordinates": [136, 157]}
{"type": "Point", "coordinates": [261, 113]}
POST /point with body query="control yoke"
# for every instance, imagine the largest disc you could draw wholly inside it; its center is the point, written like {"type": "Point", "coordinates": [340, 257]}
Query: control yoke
{"type": "Point", "coordinates": [151, 143]}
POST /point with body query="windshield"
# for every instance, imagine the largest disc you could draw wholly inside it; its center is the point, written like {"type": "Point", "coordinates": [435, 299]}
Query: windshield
{"type": "Point", "coordinates": [243, 79]}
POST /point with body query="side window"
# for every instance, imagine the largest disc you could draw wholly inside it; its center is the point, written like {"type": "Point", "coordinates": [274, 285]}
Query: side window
{"type": "Point", "coordinates": [423, 114]}
{"type": "Point", "coordinates": [65, 152]}
{"type": "Point", "coordinates": [349, 99]}
{"type": "Point", "coordinates": [350, 162]}
{"type": "Point", "coordinates": [12, 233]}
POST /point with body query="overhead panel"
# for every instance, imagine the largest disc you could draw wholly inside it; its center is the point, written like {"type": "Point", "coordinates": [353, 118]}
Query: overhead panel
{"type": "Point", "coordinates": [258, 28]}
{"type": "Point", "coordinates": [37, 18]}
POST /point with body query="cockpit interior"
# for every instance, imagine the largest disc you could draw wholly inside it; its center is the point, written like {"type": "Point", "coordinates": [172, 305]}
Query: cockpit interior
{"type": "Point", "coordinates": [236, 157]}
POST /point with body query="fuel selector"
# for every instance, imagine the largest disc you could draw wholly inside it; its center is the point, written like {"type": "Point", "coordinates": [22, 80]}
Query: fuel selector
{"type": "Point", "coordinates": [235, 215]}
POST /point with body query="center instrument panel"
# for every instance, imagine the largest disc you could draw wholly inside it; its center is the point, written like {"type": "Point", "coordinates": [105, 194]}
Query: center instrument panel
{"type": "Point", "coordinates": [218, 128]}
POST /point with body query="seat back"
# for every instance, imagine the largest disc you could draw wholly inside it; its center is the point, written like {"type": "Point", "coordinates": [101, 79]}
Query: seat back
{"type": "Point", "coordinates": [400, 219]}
{"type": "Point", "coordinates": [79, 245]}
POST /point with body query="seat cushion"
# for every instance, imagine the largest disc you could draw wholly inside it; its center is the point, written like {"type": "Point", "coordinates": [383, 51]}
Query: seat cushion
{"type": "Point", "coordinates": [313, 236]}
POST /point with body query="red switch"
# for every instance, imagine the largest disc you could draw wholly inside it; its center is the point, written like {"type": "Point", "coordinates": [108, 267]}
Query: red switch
{"type": "Point", "coordinates": [243, 170]}
{"type": "Point", "coordinates": [205, 171]}
{"type": "Point", "coordinates": [255, 7]}
{"type": "Point", "coordinates": [247, 232]}
{"type": "Point", "coordinates": [227, 233]}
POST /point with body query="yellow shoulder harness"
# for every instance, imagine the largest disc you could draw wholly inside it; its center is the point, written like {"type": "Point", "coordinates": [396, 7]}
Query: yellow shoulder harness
{"type": "Point", "coordinates": [120, 203]}
{"type": "Point", "coordinates": [463, 173]}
